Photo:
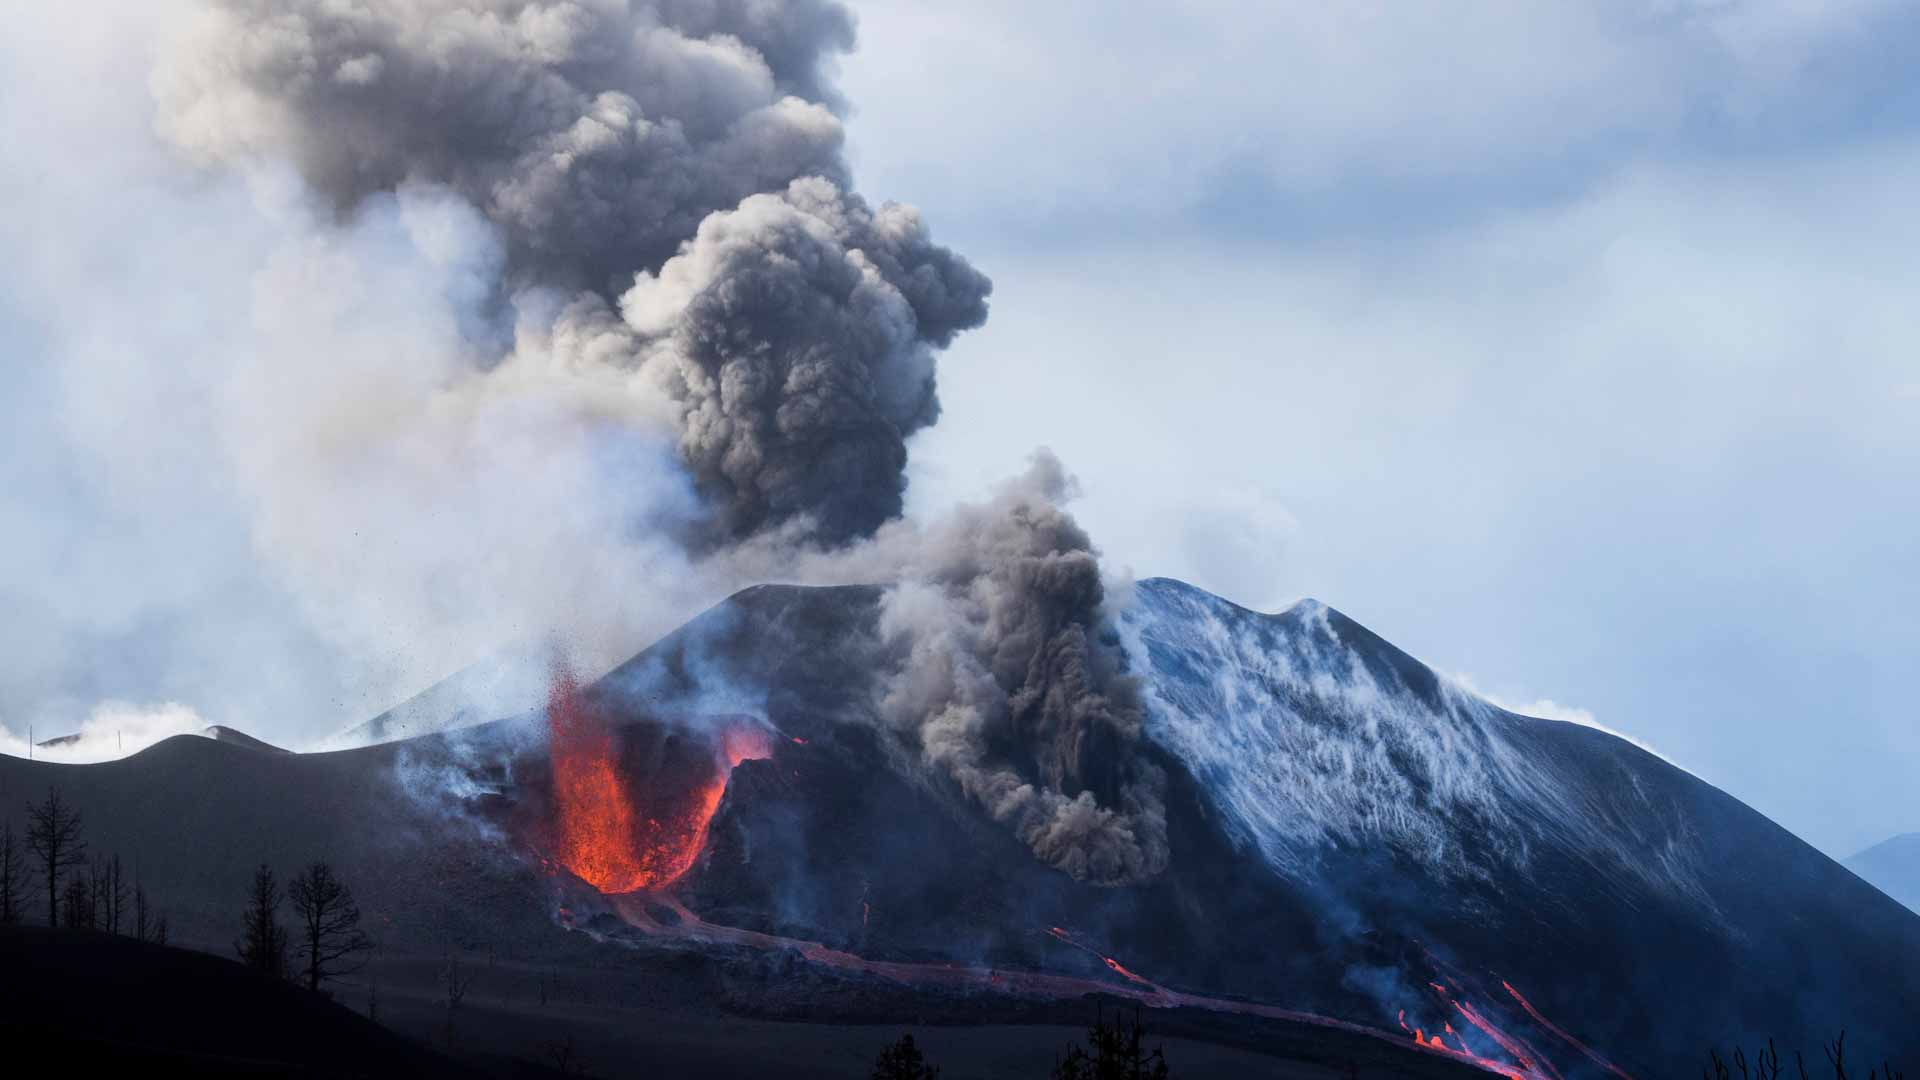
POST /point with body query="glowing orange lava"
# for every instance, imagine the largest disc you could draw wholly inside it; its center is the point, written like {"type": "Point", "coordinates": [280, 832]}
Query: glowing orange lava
{"type": "Point", "coordinates": [688, 925]}
{"type": "Point", "coordinates": [597, 833]}
{"type": "Point", "coordinates": [1563, 1036]}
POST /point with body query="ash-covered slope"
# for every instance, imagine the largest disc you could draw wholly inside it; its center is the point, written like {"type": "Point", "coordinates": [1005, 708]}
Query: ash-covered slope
{"type": "Point", "coordinates": [1635, 901]}
{"type": "Point", "coordinates": [1346, 826]}
{"type": "Point", "coordinates": [1893, 867]}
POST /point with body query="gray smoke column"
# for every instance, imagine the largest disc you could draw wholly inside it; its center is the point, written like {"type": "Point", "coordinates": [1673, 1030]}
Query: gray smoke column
{"type": "Point", "coordinates": [797, 332]}
{"type": "Point", "coordinates": [1002, 674]}
{"type": "Point", "coordinates": [686, 145]}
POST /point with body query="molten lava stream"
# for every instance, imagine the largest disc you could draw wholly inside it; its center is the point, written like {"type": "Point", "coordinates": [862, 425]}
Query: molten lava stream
{"type": "Point", "coordinates": [597, 833]}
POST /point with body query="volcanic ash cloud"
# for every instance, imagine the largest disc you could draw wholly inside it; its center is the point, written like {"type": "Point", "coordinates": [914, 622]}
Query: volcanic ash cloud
{"type": "Point", "coordinates": [658, 246]}
{"type": "Point", "coordinates": [685, 154]}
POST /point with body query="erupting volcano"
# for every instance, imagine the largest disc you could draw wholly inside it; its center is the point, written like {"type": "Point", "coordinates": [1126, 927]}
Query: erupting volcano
{"type": "Point", "coordinates": [606, 832]}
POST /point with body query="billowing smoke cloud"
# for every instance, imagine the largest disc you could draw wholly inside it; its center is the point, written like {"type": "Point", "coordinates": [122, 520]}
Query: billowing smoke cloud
{"type": "Point", "coordinates": [597, 133]}
{"type": "Point", "coordinates": [667, 150]}
{"type": "Point", "coordinates": [797, 333]}
{"type": "Point", "coordinates": [997, 629]}
{"type": "Point", "coordinates": [112, 729]}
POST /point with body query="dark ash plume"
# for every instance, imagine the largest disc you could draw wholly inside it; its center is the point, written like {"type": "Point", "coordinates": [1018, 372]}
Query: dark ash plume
{"type": "Point", "coordinates": [686, 150]}
{"type": "Point", "coordinates": [1003, 675]}
{"type": "Point", "coordinates": [797, 332]}
{"type": "Point", "coordinates": [596, 133]}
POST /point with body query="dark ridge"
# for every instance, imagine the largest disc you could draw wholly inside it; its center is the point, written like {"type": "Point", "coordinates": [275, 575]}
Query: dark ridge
{"type": "Point", "coordinates": [99, 1000]}
{"type": "Point", "coordinates": [235, 737]}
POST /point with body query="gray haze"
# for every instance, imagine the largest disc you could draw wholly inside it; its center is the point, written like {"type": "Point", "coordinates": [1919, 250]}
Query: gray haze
{"type": "Point", "coordinates": [995, 638]}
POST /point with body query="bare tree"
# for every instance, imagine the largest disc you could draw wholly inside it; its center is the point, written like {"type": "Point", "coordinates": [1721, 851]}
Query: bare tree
{"type": "Point", "coordinates": [566, 1059]}
{"type": "Point", "coordinates": [1116, 1050]}
{"type": "Point", "coordinates": [149, 924]}
{"type": "Point", "coordinates": [53, 835]}
{"type": "Point", "coordinates": [13, 877]}
{"type": "Point", "coordinates": [1766, 1064]}
{"type": "Point", "coordinates": [77, 903]}
{"type": "Point", "coordinates": [113, 896]}
{"type": "Point", "coordinates": [97, 890]}
{"type": "Point", "coordinates": [328, 922]}
{"type": "Point", "coordinates": [903, 1060]}
{"type": "Point", "coordinates": [455, 981]}
{"type": "Point", "coordinates": [263, 941]}
{"type": "Point", "coordinates": [142, 914]}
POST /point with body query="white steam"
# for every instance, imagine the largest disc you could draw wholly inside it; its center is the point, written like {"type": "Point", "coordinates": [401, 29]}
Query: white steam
{"type": "Point", "coordinates": [1549, 709]}
{"type": "Point", "coordinates": [112, 730]}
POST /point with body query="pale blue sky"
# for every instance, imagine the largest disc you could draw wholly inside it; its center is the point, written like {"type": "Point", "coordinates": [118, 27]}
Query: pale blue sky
{"type": "Point", "coordinates": [1570, 346]}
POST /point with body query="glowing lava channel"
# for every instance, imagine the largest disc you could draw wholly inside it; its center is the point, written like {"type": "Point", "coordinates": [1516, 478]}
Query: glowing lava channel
{"type": "Point", "coordinates": [596, 832]}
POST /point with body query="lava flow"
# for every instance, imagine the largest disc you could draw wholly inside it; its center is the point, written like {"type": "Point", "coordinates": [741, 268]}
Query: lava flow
{"type": "Point", "coordinates": [640, 913]}
{"type": "Point", "coordinates": [599, 832]}
{"type": "Point", "coordinates": [625, 842]}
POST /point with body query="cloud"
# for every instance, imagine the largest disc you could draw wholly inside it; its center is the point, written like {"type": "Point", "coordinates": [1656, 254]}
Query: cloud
{"type": "Point", "coordinates": [1280, 119]}
{"type": "Point", "coordinates": [113, 729]}
{"type": "Point", "coordinates": [1549, 709]}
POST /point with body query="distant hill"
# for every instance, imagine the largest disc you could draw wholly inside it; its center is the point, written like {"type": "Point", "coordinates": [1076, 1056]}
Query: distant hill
{"type": "Point", "coordinates": [222, 733]}
{"type": "Point", "coordinates": [1893, 867]}
{"type": "Point", "coordinates": [511, 682]}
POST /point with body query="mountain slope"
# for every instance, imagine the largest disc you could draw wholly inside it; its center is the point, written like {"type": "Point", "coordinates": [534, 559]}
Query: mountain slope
{"type": "Point", "coordinates": [1628, 892]}
{"type": "Point", "coordinates": [1355, 842]}
{"type": "Point", "coordinates": [1893, 867]}
{"type": "Point", "coordinates": [113, 1003]}
{"type": "Point", "coordinates": [510, 681]}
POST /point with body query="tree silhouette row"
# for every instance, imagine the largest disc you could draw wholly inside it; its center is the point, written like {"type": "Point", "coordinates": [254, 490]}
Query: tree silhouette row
{"type": "Point", "coordinates": [82, 892]}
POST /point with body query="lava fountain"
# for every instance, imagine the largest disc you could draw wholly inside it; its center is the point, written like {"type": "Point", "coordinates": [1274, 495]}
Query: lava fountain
{"type": "Point", "coordinates": [609, 834]}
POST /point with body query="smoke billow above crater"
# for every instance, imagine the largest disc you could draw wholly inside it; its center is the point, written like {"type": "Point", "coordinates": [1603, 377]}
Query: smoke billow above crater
{"type": "Point", "coordinates": [651, 345]}
{"type": "Point", "coordinates": [677, 162]}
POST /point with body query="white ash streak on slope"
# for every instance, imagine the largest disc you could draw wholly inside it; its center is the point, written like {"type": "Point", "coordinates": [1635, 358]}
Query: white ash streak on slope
{"type": "Point", "coordinates": [1305, 748]}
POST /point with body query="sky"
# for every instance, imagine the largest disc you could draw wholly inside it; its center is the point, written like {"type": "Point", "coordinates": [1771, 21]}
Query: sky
{"type": "Point", "coordinates": [1567, 346]}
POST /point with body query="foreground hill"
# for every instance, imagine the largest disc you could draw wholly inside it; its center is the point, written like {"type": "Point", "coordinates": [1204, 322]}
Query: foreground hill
{"type": "Point", "coordinates": [1357, 845]}
{"type": "Point", "coordinates": [93, 1002]}
{"type": "Point", "coordinates": [1893, 867]}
